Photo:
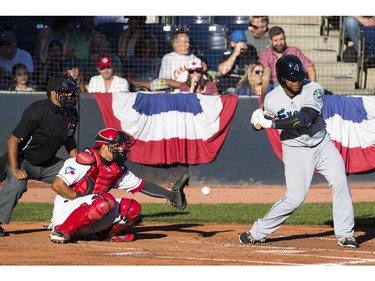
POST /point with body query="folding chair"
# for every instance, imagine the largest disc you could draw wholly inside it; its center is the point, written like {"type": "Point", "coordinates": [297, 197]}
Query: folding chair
{"type": "Point", "coordinates": [366, 55]}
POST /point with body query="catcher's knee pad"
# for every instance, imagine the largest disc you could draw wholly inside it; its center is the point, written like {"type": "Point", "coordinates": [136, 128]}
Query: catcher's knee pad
{"type": "Point", "coordinates": [130, 210]}
{"type": "Point", "coordinates": [86, 214]}
{"type": "Point", "coordinates": [101, 205]}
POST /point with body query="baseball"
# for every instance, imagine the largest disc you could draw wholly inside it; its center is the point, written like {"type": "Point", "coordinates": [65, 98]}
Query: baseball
{"type": "Point", "coordinates": [206, 190]}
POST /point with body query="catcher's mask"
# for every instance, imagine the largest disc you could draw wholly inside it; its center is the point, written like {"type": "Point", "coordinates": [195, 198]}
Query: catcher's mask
{"type": "Point", "coordinates": [118, 144]}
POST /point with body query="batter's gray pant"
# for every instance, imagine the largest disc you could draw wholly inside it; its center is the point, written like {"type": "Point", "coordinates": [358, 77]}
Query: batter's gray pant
{"type": "Point", "coordinates": [14, 188]}
{"type": "Point", "coordinates": [300, 163]}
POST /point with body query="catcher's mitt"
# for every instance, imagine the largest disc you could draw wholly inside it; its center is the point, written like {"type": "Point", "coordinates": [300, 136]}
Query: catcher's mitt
{"type": "Point", "coordinates": [177, 196]}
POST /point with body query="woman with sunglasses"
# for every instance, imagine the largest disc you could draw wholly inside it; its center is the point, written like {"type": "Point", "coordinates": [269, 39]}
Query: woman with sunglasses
{"type": "Point", "coordinates": [251, 83]}
{"type": "Point", "coordinates": [21, 81]}
{"type": "Point", "coordinates": [197, 82]}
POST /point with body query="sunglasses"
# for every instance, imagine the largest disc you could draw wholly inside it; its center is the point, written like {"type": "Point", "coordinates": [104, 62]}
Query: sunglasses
{"type": "Point", "coordinates": [192, 71]}
{"type": "Point", "coordinates": [258, 72]}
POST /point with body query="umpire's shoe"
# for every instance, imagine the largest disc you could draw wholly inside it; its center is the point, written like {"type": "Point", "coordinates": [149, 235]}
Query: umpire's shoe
{"type": "Point", "coordinates": [2, 231]}
{"type": "Point", "coordinates": [177, 196]}
{"type": "Point", "coordinates": [58, 237]}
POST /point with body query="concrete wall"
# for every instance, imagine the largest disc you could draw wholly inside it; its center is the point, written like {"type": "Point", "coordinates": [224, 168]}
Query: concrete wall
{"type": "Point", "coordinates": [246, 157]}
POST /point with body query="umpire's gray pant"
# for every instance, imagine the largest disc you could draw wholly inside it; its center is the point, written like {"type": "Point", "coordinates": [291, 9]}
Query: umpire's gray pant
{"type": "Point", "coordinates": [14, 188]}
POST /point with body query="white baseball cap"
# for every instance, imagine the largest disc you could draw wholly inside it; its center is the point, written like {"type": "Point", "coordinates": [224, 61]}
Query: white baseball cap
{"type": "Point", "coordinates": [194, 64]}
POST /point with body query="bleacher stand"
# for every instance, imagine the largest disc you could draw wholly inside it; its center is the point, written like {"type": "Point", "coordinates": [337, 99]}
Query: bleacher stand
{"type": "Point", "coordinates": [366, 55]}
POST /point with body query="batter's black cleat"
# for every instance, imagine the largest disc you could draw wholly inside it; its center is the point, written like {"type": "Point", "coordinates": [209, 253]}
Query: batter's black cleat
{"type": "Point", "coordinates": [348, 242]}
{"type": "Point", "coordinates": [177, 196]}
{"type": "Point", "coordinates": [246, 238]}
{"type": "Point", "coordinates": [2, 232]}
{"type": "Point", "coordinates": [58, 237]}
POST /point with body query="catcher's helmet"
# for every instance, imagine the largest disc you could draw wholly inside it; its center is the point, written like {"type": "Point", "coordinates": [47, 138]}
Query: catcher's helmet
{"type": "Point", "coordinates": [289, 67]}
{"type": "Point", "coordinates": [118, 143]}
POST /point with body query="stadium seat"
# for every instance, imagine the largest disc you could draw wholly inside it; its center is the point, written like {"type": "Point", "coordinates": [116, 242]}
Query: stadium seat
{"type": "Point", "coordinates": [112, 31]}
{"type": "Point", "coordinates": [188, 20]}
{"type": "Point", "coordinates": [366, 56]}
{"type": "Point", "coordinates": [163, 33]}
{"type": "Point", "coordinates": [213, 57]}
{"type": "Point", "coordinates": [26, 29]}
{"type": "Point", "coordinates": [232, 23]}
{"type": "Point", "coordinates": [207, 36]}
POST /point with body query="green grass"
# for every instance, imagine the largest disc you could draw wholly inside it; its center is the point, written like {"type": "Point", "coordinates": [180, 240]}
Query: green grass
{"type": "Point", "coordinates": [307, 214]}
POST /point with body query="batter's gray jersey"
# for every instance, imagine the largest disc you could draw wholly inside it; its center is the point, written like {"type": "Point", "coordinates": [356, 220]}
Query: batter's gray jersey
{"type": "Point", "coordinates": [278, 104]}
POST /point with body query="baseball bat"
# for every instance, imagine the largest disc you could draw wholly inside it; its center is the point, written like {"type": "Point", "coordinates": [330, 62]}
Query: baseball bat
{"type": "Point", "coordinates": [261, 103]}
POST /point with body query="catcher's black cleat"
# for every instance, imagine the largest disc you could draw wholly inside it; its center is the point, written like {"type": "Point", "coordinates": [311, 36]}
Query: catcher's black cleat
{"type": "Point", "coordinates": [58, 237]}
{"type": "Point", "coordinates": [177, 196]}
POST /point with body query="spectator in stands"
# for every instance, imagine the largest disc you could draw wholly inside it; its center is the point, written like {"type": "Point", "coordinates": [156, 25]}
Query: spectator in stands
{"type": "Point", "coordinates": [235, 62]}
{"type": "Point", "coordinates": [98, 46]}
{"type": "Point", "coordinates": [77, 41]}
{"type": "Point", "coordinates": [57, 30]}
{"type": "Point", "coordinates": [21, 82]}
{"type": "Point", "coordinates": [54, 65]}
{"type": "Point", "coordinates": [128, 39]}
{"type": "Point", "coordinates": [106, 81]}
{"type": "Point", "coordinates": [144, 65]}
{"type": "Point", "coordinates": [173, 64]}
{"type": "Point", "coordinates": [351, 26]}
{"type": "Point", "coordinates": [251, 83]}
{"type": "Point", "coordinates": [205, 68]}
{"type": "Point", "coordinates": [278, 48]}
{"type": "Point", "coordinates": [257, 35]}
{"type": "Point", "coordinates": [10, 55]}
{"type": "Point", "coordinates": [72, 68]}
{"type": "Point", "coordinates": [197, 82]}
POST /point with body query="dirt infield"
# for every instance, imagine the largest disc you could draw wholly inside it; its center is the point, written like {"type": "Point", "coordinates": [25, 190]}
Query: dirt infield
{"type": "Point", "coordinates": [193, 244]}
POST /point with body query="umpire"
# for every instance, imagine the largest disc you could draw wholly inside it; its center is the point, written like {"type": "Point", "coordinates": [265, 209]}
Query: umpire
{"type": "Point", "coordinates": [45, 126]}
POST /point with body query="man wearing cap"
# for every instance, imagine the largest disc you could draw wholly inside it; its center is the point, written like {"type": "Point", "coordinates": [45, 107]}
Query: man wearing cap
{"type": "Point", "coordinates": [106, 81]}
{"type": "Point", "coordinates": [10, 55]}
{"type": "Point", "coordinates": [46, 125]}
{"type": "Point", "coordinates": [235, 62]}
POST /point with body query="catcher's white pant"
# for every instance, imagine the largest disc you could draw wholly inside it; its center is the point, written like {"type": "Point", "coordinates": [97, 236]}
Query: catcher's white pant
{"type": "Point", "coordinates": [64, 207]}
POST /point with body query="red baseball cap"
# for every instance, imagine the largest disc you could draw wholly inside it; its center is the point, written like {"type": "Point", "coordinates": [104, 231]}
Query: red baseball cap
{"type": "Point", "coordinates": [105, 61]}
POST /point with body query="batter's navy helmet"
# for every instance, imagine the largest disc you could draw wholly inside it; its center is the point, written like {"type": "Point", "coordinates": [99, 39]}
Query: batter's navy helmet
{"type": "Point", "coordinates": [289, 67]}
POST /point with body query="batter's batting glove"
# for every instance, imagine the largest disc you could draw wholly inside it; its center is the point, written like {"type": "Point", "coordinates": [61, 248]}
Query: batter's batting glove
{"type": "Point", "coordinates": [256, 116]}
{"type": "Point", "coordinates": [177, 196]}
{"type": "Point", "coordinates": [265, 123]}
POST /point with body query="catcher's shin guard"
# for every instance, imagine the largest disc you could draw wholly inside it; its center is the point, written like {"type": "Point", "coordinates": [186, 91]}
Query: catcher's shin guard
{"type": "Point", "coordinates": [86, 214]}
{"type": "Point", "coordinates": [177, 196]}
{"type": "Point", "coordinates": [129, 211]}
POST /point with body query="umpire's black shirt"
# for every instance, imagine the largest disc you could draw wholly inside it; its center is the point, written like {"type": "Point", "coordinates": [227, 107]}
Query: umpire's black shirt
{"type": "Point", "coordinates": [43, 129]}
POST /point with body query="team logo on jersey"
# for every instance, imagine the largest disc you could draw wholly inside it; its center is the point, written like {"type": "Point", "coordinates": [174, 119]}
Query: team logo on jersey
{"type": "Point", "coordinates": [318, 95]}
{"type": "Point", "coordinates": [70, 170]}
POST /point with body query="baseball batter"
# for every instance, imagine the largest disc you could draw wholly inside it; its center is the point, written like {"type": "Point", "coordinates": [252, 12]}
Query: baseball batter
{"type": "Point", "coordinates": [294, 108]}
{"type": "Point", "coordinates": [83, 204]}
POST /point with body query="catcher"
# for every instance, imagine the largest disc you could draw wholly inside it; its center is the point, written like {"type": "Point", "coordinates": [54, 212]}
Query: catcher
{"type": "Point", "coordinates": [84, 206]}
